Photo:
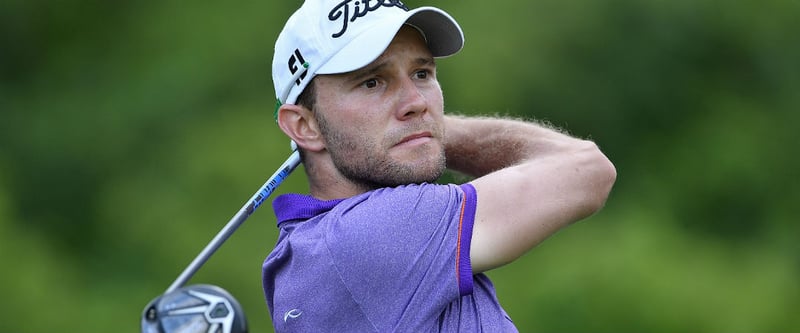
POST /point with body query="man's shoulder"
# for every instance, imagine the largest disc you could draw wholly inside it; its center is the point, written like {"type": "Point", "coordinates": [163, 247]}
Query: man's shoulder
{"type": "Point", "coordinates": [398, 201]}
{"type": "Point", "coordinates": [380, 217]}
{"type": "Point", "coordinates": [410, 191]}
{"type": "Point", "coordinates": [383, 215]}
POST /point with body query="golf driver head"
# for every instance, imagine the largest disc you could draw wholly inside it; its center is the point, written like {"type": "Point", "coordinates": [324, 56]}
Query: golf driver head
{"type": "Point", "coordinates": [196, 308]}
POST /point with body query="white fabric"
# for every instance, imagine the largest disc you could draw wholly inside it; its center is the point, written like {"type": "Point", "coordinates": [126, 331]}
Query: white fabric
{"type": "Point", "coordinates": [340, 36]}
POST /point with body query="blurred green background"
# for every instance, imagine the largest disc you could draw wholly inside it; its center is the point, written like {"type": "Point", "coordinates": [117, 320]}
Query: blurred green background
{"type": "Point", "coordinates": [131, 131]}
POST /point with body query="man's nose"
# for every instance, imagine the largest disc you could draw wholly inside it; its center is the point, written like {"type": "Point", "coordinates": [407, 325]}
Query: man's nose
{"type": "Point", "coordinates": [411, 99]}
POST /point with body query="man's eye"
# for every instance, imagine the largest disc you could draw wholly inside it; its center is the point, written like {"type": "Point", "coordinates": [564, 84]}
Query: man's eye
{"type": "Point", "coordinates": [422, 74]}
{"type": "Point", "coordinates": [371, 83]}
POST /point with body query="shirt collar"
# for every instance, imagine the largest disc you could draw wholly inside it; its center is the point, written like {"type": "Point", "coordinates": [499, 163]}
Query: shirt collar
{"type": "Point", "coordinates": [294, 206]}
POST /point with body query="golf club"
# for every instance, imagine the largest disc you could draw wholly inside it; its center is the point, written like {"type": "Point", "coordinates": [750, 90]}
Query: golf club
{"type": "Point", "coordinates": [196, 308]}
{"type": "Point", "coordinates": [206, 308]}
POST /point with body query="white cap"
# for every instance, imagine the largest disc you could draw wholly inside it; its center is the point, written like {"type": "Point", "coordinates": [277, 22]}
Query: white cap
{"type": "Point", "coordinates": [339, 36]}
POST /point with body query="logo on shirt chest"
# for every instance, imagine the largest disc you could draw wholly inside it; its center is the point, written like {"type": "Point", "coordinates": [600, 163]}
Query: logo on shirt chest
{"type": "Point", "coordinates": [292, 314]}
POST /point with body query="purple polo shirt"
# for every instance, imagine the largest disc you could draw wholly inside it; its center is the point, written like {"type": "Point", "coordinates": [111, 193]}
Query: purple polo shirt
{"type": "Point", "coordinates": [389, 260]}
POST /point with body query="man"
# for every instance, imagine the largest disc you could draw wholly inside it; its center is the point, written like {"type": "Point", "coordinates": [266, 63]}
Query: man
{"type": "Point", "coordinates": [377, 246]}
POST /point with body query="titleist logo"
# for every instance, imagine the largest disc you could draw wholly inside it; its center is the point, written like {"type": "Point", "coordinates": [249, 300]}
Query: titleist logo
{"type": "Point", "coordinates": [359, 8]}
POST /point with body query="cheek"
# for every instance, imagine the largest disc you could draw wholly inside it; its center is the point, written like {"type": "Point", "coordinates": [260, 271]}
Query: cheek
{"type": "Point", "coordinates": [361, 117]}
{"type": "Point", "coordinates": [347, 129]}
{"type": "Point", "coordinates": [435, 96]}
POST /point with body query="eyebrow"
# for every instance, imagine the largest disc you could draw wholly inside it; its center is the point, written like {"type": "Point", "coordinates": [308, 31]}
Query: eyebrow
{"type": "Point", "coordinates": [372, 69]}
{"type": "Point", "coordinates": [367, 71]}
{"type": "Point", "coordinates": [425, 61]}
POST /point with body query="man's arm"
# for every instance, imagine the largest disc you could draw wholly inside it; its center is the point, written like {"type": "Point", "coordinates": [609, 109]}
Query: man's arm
{"type": "Point", "coordinates": [531, 181]}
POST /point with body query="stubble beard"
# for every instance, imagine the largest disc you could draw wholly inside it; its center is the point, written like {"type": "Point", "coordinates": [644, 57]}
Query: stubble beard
{"type": "Point", "coordinates": [356, 159]}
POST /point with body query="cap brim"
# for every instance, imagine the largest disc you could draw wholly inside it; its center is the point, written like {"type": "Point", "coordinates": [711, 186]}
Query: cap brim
{"type": "Point", "coordinates": [441, 32]}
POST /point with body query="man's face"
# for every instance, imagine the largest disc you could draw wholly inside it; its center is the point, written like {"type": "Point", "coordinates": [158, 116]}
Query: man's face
{"type": "Point", "coordinates": [383, 124]}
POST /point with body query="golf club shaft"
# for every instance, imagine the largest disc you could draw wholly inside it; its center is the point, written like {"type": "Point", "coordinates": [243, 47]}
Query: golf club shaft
{"type": "Point", "coordinates": [249, 207]}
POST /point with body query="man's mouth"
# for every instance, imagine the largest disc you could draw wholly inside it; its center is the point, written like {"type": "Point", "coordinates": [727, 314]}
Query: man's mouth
{"type": "Point", "coordinates": [416, 138]}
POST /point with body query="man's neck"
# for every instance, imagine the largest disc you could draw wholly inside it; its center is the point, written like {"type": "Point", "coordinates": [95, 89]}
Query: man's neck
{"type": "Point", "coordinates": [325, 182]}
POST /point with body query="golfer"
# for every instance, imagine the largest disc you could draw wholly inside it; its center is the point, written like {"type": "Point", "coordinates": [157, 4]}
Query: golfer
{"type": "Point", "coordinates": [376, 245]}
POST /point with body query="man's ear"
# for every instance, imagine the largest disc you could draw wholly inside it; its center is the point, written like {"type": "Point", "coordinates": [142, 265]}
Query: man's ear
{"type": "Point", "coordinates": [300, 125]}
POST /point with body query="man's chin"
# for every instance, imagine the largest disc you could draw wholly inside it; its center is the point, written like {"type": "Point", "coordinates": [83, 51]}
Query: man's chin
{"type": "Point", "coordinates": [422, 173]}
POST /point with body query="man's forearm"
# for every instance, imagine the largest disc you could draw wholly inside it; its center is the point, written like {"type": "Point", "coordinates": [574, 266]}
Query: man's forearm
{"type": "Point", "coordinates": [478, 146]}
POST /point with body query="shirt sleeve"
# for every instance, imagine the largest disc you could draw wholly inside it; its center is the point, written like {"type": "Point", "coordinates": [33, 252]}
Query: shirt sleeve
{"type": "Point", "coordinates": [403, 253]}
{"type": "Point", "coordinates": [468, 204]}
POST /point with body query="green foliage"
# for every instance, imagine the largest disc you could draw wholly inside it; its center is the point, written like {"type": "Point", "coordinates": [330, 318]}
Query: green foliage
{"type": "Point", "coordinates": [130, 132]}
